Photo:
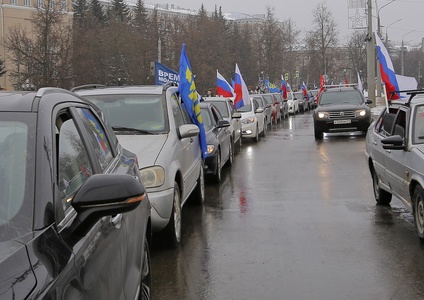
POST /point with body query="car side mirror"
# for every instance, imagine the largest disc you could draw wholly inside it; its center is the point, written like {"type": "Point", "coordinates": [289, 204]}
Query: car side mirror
{"type": "Point", "coordinates": [368, 102]}
{"type": "Point", "coordinates": [236, 115]}
{"type": "Point", "coordinates": [188, 130]}
{"type": "Point", "coordinates": [222, 124]}
{"type": "Point", "coordinates": [259, 110]}
{"type": "Point", "coordinates": [394, 142]}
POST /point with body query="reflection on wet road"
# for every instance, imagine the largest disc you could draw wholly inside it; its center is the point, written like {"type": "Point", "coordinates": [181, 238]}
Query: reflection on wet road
{"type": "Point", "coordinates": [293, 219]}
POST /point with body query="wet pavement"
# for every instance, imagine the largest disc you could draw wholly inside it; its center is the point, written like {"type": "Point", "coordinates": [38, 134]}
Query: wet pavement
{"type": "Point", "coordinates": [293, 218]}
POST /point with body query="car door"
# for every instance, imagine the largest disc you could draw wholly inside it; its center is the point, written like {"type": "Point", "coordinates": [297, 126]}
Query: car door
{"type": "Point", "coordinates": [395, 159]}
{"type": "Point", "coordinates": [101, 255]}
{"type": "Point", "coordinates": [222, 133]}
{"type": "Point", "coordinates": [235, 121]}
{"type": "Point", "coordinates": [260, 116]}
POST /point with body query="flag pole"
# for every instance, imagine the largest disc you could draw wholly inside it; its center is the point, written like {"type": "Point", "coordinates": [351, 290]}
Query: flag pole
{"type": "Point", "coordinates": [385, 98]}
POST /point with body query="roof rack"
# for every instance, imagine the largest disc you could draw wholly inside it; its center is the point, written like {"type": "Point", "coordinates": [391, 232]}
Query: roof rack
{"type": "Point", "coordinates": [88, 86]}
{"type": "Point", "coordinates": [411, 93]}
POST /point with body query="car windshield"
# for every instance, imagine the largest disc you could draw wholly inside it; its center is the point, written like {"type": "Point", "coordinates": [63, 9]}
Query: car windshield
{"type": "Point", "coordinates": [139, 113]}
{"type": "Point", "coordinates": [268, 98]}
{"type": "Point", "coordinates": [418, 125]}
{"type": "Point", "coordinates": [222, 107]}
{"type": "Point", "coordinates": [16, 173]}
{"type": "Point", "coordinates": [349, 97]}
{"type": "Point", "coordinates": [298, 95]}
{"type": "Point", "coordinates": [245, 108]}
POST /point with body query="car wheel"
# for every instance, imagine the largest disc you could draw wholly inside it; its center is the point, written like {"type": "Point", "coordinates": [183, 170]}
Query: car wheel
{"type": "Point", "coordinates": [198, 195]}
{"type": "Point", "coordinates": [318, 134]}
{"type": "Point", "coordinates": [381, 196]}
{"type": "Point", "coordinates": [173, 229]}
{"type": "Point", "coordinates": [217, 175]}
{"type": "Point", "coordinates": [146, 276]}
{"type": "Point", "coordinates": [257, 134]}
{"type": "Point", "coordinates": [418, 200]}
{"type": "Point", "coordinates": [263, 133]}
{"type": "Point", "coordinates": [230, 155]}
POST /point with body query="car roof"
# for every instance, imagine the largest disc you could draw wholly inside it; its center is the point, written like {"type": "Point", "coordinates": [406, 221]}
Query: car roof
{"type": "Point", "coordinates": [126, 89]}
{"type": "Point", "coordinates": [222, 99]}
{"type": "Point", "coordinates": [339, 89]}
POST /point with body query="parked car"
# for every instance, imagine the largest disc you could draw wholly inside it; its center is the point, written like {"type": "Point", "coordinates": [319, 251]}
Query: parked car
{"type": "Point", "coordinates": [341, 109]}
{"type": "Point", "coordinates": [252, 120]}
{"type": "Point", "coordinates": [275, 105]}
{"type": "Point", "coordinates": [303, 103]}
{"type": "Point", "coordinates": [152, 122]}
{"type": "Point", "coordinates": [283, 105]}
{"type": "Point", "coordinates": [395, 155]}
{"type": "Point", "coordinates": [292, 103]}
{"type": "Point", "coordinates": [69, 196]}
{"type": "Point", "coordinates": [229, 113]}
{"type": "Point", "coordinates": [267, 109]}
{"type": "Point", "coordinates": [218, 137]}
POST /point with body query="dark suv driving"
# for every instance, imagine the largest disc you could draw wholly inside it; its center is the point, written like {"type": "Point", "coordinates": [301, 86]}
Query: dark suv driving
{"type": "Point", "coordinates": [341, 109]}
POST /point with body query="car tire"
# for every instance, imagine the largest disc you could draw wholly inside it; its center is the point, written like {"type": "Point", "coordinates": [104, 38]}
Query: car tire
{"type": "Point", "coordinates": [218, 172]}
{"type": "Point", "coordinates": [230, 160]}
{"type": "Point", "coordinates": [381, 196]}
{"type": "Point", "coordinates": [173, 229]}
{"type": "Point", "coordinates": [146, 275]}
{"type": "Point", "coordinates": [318, 134]}
{"type": "Point", "coordinates": [239, 143]}
{"type": "Point", "coordinates": [198, 195]}
{"type": "Point", "coordinates": [263, 133]}
{"type": "Point", "coordinates": [256, 138]}
{"type": "Point", "coordinates": [418, 202]}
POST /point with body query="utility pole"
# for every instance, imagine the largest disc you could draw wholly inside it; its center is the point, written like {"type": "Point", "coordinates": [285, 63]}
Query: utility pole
{"type": "Point", "coordinates": [370, 57]}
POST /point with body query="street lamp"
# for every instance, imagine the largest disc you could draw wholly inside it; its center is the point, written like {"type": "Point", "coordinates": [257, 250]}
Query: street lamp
{"type": "Point", "coordinates": [378, 15]}
{"type": "Point", "coordinates": [389, 26]}
{"type": "Point", "coordinates": [403, 52]}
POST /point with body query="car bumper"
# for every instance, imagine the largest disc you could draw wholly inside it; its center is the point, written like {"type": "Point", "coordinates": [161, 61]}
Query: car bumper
{"type": "Point", "coordinates": [161, 202]}
{"type": "Point", "coordinates": [249, 130]}
{"type": "Point", "coordinates": [211, 164]}
{"type": "Point", "coordinates": [351, 125]}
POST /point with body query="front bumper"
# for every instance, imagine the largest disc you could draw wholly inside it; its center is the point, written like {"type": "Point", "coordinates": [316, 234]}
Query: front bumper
{"type": "Point", "coordinates": [343, 125]}
{"type": "Point", "coordinates": [161, 202]}
{"type": "Point", "coordinates": [249, 130]}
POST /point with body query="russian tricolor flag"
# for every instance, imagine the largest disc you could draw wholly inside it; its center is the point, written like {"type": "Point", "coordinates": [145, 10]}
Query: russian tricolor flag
{"type": "Point", "coordinates": [283, 87]}
{"type": "Point", "coordinates": [241, 91]}
{"type": "Point", "coordinates": [392, 81]}
{"type": "Point", "coordinates": [223, 88]}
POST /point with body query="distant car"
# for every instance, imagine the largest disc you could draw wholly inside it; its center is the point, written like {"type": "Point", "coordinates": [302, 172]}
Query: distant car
{"type": "Point", "coordinates": [283, 105]}
{"type": "Point", "coordinates": [276, 108]}
{"type": "Point", "coordinates": [313, 98]}
{"type": "Point", "coordinates": [292, 103]}
{"type": "Point", "coordinates": [341, 109]}
{"type": "Point", "coordinates": [74, 215]}
{"type": "Point", "coordinates": [218, 136]}
{"type": "Point", "coordinates": [267, 108]}
{"type": "Point", "coordinates": [152, 122]}
{"type": "Point", "coordinates": [229, 113]}
{"type": "Point", "coordinates": [395, 155]}
{"type": "Point", "coordinates": [303, 103]}
{"type": "Point", "coordinates": [252, 120]}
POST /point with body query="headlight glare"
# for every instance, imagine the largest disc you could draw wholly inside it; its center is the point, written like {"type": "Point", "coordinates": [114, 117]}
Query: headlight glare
{"type": "Point", "coordinates": [210, 148]}
{"type": "Point", "coordinates": [322, 115]}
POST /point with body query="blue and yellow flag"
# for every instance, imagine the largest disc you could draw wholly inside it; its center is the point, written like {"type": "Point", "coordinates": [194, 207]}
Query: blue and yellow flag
{"type": "Point", "coordinates": [191, 98]}
{"type": "Point", "coordinates": [272, 88]}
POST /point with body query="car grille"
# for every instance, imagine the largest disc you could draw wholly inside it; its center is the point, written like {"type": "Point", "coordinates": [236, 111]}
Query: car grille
{"type": "Point", "coordinates": [341, 114]}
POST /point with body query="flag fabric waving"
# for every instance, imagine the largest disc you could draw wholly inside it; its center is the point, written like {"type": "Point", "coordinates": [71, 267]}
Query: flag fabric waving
{"type": "Point", "coordinates": [304, 90]}
{"type": "Point", "coordinates": [360, 85]}
{"type": "Point", "coordinates": [223, 88]}
{"type": "Point", "coordinates": [284, 87]}
{"type": "Point", "coordinates": [392, 81]}
{"type": "Point", "coordinates": [241, 91]}
{"type": "Point", "coordinates": [191, 98]}
{"type": "Point", "coordinates": [272, 88]}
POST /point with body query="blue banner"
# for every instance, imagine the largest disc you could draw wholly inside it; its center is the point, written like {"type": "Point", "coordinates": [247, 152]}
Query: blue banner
{"type": "Point", "coordinates": [164, 74]}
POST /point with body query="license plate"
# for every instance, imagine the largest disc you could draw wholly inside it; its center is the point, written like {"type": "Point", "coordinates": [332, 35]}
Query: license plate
{"type": "Point", "coordinates": [342, 121]}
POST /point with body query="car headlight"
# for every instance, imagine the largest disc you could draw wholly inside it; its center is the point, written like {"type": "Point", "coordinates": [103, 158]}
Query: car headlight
{"type": "Point", "coordinates": [211, 148]}
{"type": "Point", "coordinates": [322, 115]}
{"type": "Point", "coordinates": [152, 176]}
{"type": "Point", "coordinates": [248, 120]}
{"type": "Point", "coordinates": [361, 113]}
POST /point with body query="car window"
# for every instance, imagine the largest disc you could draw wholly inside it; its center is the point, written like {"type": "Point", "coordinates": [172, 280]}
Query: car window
{"type": "Point", "coordinates": [268, 98]}
{"type": "Point", "coordinates": [177, 112]}
{"type": "Point", "coordinates": [349, 97]}
{"type": "Point", "coordinates": [216, 114]}
{"type": "Point", "coordinates": [245, 108]}
{"type": "Point", "coordinates": [222, 107]}
{"type": "Point", "coordinates": [206, 117]}
{"type": "Point", "coordinates": [418, 127]}
{"type": "Point", "coordinates": [73, 164]}
{"type": "Point", "coordinates": [385, 123]}
{"type": "Point", "coordinates": [98, 137]}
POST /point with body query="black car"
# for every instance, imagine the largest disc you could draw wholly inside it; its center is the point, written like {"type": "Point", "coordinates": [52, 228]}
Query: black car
{"type": "Point", "coordinates": [74, 215]}
{"type": "Point", "coordinates": [341, 109]}
{"type": "Point", "coordinates": [218, 137]}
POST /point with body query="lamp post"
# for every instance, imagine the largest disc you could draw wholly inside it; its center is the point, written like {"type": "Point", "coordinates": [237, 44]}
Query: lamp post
{"type": "Point", "coordinates": [378, 16]}
{"type": "Point", "coordinates": [403, 52]}
{"type": "Point", "coordinates": [388, 28]}
{"type": "Point", "coordinates": [370, 57]}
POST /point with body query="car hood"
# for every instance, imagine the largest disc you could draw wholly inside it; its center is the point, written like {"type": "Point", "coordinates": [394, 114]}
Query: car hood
{"type": "Point", "coordinates": [248, 114]}
{"type": "Point", "coordinates": [146, 147]}
{"type": "Point", "coordinates": [17, 278]}
{"type": "Point", "coordinates": [338, 106]}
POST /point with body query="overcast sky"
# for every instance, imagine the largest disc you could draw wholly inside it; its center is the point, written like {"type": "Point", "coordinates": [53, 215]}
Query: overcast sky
{"type": "Point", "coordinates": [411, 13]}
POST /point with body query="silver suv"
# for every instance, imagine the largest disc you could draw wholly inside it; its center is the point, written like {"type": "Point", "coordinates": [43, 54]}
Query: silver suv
{"type": "Point", "coordinates": [152, 122]}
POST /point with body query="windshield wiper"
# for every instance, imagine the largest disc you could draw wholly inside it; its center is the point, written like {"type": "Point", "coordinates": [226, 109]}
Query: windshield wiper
{"type": "Point", "coordinates": [122, 128]}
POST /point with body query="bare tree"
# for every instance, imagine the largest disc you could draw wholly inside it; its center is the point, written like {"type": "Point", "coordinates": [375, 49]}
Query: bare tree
{"type": "Point", "coordinates": [43, 56]}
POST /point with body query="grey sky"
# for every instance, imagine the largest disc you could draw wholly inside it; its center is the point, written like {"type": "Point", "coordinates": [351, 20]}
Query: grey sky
{"type": "Point", "coordinates": [409, 11]}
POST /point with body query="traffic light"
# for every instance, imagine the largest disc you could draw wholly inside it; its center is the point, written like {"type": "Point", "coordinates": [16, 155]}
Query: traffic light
{"type": "Point", "coordinates": [297, 74]}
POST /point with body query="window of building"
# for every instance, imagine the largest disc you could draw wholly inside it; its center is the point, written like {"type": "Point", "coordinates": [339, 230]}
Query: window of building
{"type": "Point", "coordinates": [27, 2]}
{"type": "Point", "coordinates": [14, 2]}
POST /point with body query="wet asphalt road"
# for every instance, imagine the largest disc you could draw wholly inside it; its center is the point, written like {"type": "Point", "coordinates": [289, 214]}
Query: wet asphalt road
{"type": "Point", "coordinates": [293, 219]}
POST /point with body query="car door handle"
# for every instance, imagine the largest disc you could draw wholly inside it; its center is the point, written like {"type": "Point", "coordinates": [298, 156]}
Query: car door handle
{"type": "Point", "coordinates": [191, 140]}
{"type": "Point", "coordinates": [116, 220]}
{"type": "Point", "coordinates": [389, 151]}
{"type": "Point", "coordinates": [374, 142]}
